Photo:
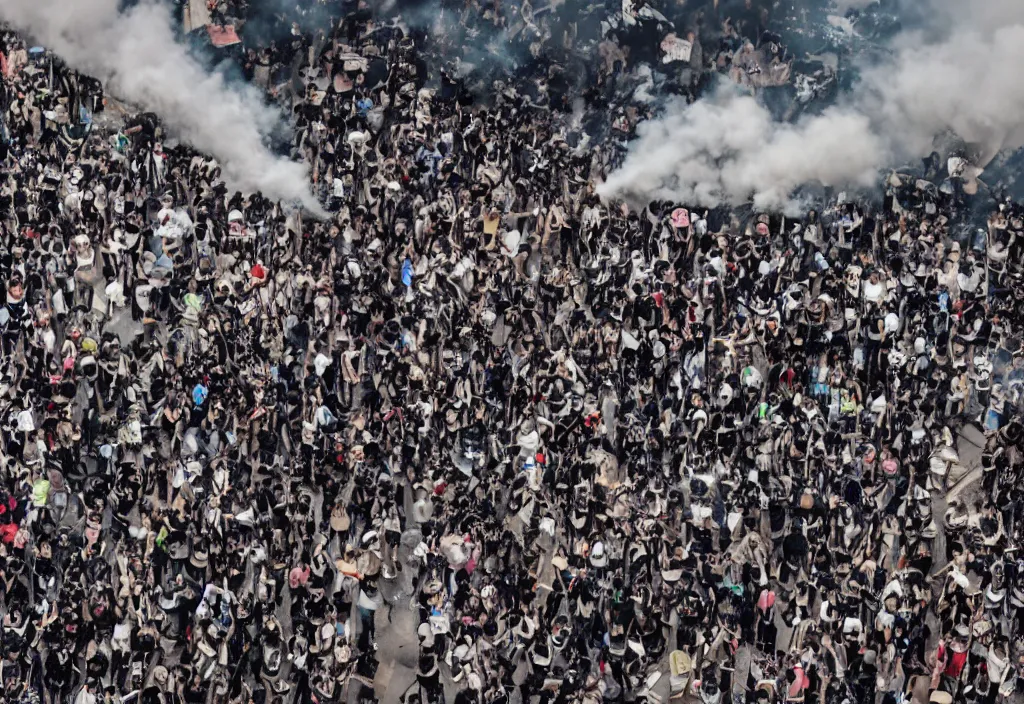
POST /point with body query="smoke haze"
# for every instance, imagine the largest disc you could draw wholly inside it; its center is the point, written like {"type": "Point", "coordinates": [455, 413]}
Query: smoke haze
{"type": "Point", "coordinates": [135, 53]}
{"type": "Point", "coordinates": [960, 74]}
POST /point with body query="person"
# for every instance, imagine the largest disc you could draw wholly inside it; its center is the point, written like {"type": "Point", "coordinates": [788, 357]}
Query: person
{"type": "Point", "coordinates": [570, 444]}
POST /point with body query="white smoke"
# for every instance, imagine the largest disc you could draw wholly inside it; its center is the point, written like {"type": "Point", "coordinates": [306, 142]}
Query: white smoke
{"type": "Point", "coordinates": [728, 149]}
{"type": "Point", "coordinates": [135, 53]}
{"type": "Point", "coordinates": [967, 83]}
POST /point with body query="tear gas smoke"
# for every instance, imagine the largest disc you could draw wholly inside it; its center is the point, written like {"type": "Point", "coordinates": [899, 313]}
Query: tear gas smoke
{"type": "Point", "coordinates": [137, 55]}
{"type": "Point", "coordinates": [728, 149]}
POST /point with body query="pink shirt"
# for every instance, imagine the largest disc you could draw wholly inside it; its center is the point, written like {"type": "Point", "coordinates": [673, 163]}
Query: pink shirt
{"type": "Point", "coordinates": [298, 576]}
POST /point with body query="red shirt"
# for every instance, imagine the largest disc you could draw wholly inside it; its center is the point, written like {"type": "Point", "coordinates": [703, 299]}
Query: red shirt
{"type": "Point", "coordinates": [955, 664]}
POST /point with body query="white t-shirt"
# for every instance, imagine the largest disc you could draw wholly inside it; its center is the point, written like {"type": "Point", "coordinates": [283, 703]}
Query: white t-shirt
{"type": "Point", "coordinates": [370, 603]}
{"type": "Point", "coordinates": [892, 323]}
{"type": "Point", "coordinates": [874, 292]}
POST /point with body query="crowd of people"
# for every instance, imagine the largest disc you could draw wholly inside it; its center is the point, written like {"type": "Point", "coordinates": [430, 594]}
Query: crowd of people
{"type": "Point", "coordinates": [597, 451]}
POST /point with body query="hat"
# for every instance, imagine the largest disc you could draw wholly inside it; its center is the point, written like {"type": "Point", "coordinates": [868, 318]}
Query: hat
{"type": "Point", "coordinates": [176, 547]}
{"type": "Point", "coordinates": [890, 466]}
{"type": "Point", "coordinates": [994, 597]}
{"type": "Point", "coordinates": [160, 674]}
{"type": "Point", "coordinates": [578, 517]}
{"type": "Point", "coordinates": [680, 663]}
{"type": "Point", "coordinates": [321, 362]}
{"type": "Point", "coordinates": [674, 573]}
{"type": "Point", "coordinates": [200, 557]}
{"type": "Point", "coordinates": [598, 556]}
{"type": "Point", "coordinates": [368, 564]}
{"type": "Point", "coordinates": [428, 665]}
{"type": "Point", "coordinates": [541, 654]}
{"type": "Point", "coordinates": [1017, 596]}
{"type": "Point", "coordinates": [340, 520]}
{"type": "Point", "coordinates": [421, 511]}
{"type": "Point", "coordinates": [525, 628]}
{"type": "Point", "coordinates": [938, 697]}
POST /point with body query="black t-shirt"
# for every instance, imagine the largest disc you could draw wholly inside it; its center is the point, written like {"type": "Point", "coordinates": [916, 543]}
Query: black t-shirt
{"type": "Point", "coordinates": [794, 547]}
{"type": "Point", "coordinates": [691, 607]}
{"type": "Point", "coordinates": [644, 307]}
{"type": "Point", "coordinates": [195, 693]}
{"type": "Point", "coordinates": [198, 415]}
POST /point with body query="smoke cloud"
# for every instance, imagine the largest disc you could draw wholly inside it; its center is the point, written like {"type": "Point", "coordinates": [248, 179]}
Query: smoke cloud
{"type": "Point", "coordinates": [728, 149]}
{"type": "Point", "coordinates": [135, 53]}
{"type": "Point", "coordinates": [958, 74]}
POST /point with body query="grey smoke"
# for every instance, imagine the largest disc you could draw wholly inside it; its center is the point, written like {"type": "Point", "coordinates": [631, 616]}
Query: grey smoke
{"type": "Point", "coordinates": [842, 6]}
{"type": "Point", "coordinates": [959, 74]}
{"type": "Point", "coordinates": [135, 53]}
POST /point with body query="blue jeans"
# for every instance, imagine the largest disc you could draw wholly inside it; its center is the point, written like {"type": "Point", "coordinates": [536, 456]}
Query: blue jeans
{"type": "Point", "coordinates": [367, 629]}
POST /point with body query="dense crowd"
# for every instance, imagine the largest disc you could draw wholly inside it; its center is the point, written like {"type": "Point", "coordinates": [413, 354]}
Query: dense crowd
{"type": "Point", "coordinates": [601, 452]}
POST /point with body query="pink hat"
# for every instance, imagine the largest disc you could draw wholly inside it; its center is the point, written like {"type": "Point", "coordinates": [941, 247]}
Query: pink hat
{"type": "Point", "coordinates": [890, 466]}
{"type": "Point", "coordinates": [681, 217]}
